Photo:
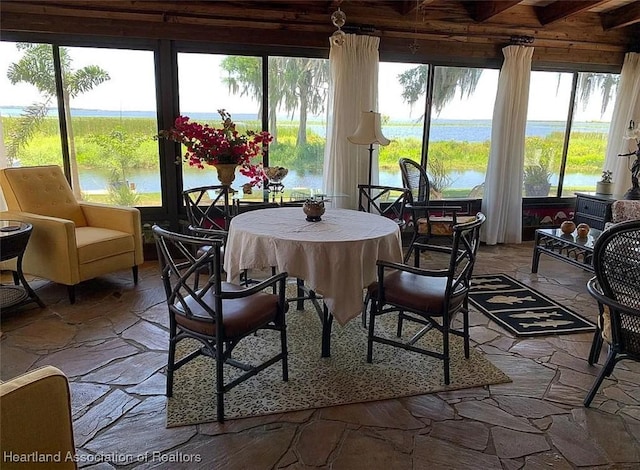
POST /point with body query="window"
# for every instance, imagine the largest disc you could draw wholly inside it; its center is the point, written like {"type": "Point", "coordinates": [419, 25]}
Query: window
{"type": "Point", "coordinates": [595, 98]}
{"type": "Point", "coordinates": [460, 134]}
{"type": "Point", "coordinates": [402, 92]}
{"type": "Point", "coordinates": [111, 122]}
{"type": "Point", "coordinates": [28, 106]}
{"type": "Point", "coordinates": [298, 89]}
{"type": "Point", "coordinates": [232, 83]}
{"type": "Point", "coordinates": [549, 100]}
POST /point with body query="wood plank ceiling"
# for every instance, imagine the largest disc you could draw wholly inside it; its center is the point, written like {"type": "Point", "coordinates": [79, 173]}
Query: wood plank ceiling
{"type": "Point", "coordinates": [590, 34]}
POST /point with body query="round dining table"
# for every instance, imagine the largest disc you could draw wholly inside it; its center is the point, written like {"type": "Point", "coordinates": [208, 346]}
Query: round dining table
{"type": "Point", "coordinates": [335, 256]}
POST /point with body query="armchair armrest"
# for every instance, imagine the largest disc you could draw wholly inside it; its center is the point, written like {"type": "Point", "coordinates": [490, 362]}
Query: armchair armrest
{"type": "Point", "coordinates": [51, 237]}
{"type": "Point", "coordinates": [124, 219]}
{"type": "Point", "coordinates": [596, 293]}
{"type": "Point", "coordinates": [35, 410]}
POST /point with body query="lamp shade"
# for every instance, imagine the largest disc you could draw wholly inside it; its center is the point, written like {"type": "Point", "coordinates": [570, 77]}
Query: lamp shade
{"type": "Point", "coordinates": [369, 130]}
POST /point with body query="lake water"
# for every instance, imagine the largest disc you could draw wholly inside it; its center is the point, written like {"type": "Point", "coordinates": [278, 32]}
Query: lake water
{"type": "Point", "coordinates": [441, 130]}
{"type": "Point", "coordinates": [148, 181]}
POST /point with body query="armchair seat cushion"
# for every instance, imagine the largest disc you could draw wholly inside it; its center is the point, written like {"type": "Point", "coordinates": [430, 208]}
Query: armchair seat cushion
{"type": "Point", "coordinates": [420, 293]}
{"type": "Point", "coordinates": [96, 243]}
{"type": "Point", "coordinates": [441, 225]}
{"type": "Point", "coordinates": [240, 316]}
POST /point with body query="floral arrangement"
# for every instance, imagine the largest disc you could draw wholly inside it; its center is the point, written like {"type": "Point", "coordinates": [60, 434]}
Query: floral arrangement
{"type": "Point", "coordinates": [208, 145]}
{"type": "Point", "coordinates": [606, 176]}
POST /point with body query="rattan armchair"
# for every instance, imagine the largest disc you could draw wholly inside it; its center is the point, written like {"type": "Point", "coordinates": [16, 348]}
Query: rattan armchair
{"type": "Point", "coordinates": [616, 288]}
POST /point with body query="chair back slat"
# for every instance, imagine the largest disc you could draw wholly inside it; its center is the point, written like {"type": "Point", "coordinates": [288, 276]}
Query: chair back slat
{"type": "Point", "coordinates": [464, 250]}
{"type": "Point", "coordinates": [387, 201]}
{"type": "Point", "coordinates": [182, 258]}
{"type": "Point", "coordinates": [416, 180]}
{"type": "Point", "coordinates": [208, 207]}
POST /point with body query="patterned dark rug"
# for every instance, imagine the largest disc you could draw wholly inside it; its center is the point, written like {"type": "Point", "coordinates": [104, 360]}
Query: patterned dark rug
{"type": "Point", "coordinates": [522, 310]}
{"type": "Point", "coordinates": [315, 382]}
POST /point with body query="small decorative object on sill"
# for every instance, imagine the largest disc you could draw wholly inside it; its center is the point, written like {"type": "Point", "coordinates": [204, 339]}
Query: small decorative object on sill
{"type": "Point", "coordinates": [605, 185]}
{"type": "Point", "coordinates": [583, 230]}
{"type": "Point", "coordinates": [246, 188]}
{"type": "Point", "coordinates": [568, 226]}
{"type": "Point", "coordinates": [633, 133]}
{"type": "Point", "coordinates": [275, 175]}
{"type": "Point", "coordinates": [313, 208]}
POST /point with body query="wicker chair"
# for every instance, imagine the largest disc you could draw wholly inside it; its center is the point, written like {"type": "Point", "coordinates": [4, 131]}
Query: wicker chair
{"type": "Point", "coordinates": [427, 218]}
{"type": "Point", "coordinates": [429, 297]}
{"type": "Point", "coordinates": [616, 287]}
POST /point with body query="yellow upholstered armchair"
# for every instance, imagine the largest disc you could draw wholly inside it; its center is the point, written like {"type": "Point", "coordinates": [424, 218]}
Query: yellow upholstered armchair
{"type": "Point", "coordinates": [72, 241]}
{"type": "Point", "coordinates": [35, 412]}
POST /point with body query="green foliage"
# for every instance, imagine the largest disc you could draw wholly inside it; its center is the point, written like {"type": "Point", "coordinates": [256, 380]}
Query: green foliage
{"type": "Point", "coordinates": [122, 195]}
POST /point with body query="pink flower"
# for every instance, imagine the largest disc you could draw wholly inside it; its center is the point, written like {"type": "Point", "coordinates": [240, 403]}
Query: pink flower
{"type": "Point", "coordinates": [207, 145]}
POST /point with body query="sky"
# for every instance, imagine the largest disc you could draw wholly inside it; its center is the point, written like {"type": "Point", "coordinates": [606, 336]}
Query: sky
{"type": "Point", "coordinates": [131, 88]}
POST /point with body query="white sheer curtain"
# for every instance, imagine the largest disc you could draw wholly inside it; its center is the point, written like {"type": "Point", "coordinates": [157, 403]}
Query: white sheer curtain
{"type": "Point", "coordinates": [502, 200]}
{"type": "Point", "coordinates": [627, 107]}
{"type": "Point", "coordinates": [353, 88]}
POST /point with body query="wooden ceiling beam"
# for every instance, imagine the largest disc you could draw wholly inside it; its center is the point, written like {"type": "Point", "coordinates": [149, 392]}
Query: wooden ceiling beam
{"type": "Point", "coordinates": [559, 10]}
{"type": "Point", "coordinates": [486, 9]}
{"type": "Point", "coordinates": [404, 7]}
{"type": "Point", "coordinates": [621, 17]}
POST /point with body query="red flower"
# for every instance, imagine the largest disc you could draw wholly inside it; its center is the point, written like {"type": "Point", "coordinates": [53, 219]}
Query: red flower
{"type": "Point", "coordinates": [210, 146]}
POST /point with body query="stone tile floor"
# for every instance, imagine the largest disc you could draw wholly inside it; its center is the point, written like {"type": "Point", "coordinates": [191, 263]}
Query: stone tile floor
{"type": "Point", "coordinates": [112, 345]}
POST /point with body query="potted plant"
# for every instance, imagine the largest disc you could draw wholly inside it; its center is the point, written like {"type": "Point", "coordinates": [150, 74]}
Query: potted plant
{"type": "Point", "coordinates": [605, 185]}
{"type": "Point", "coordinates": [537, 179]}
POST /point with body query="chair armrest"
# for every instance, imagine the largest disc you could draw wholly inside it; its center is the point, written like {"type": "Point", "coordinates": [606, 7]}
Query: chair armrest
{"type": "Point", "coordinates": [594, 290]}
{"type": "Point", "coordinates": [124, 219]}
{"type": "Point", "coordinates": [35, 411]}
{"type": "Point", "coordinates": [382, 265]}
{"type": "Point", "coordinates": [255, 288]}
{"type": "Point", "coordinates": [51, 238]}
{"type": "Point", "coordinates": [209, 233]}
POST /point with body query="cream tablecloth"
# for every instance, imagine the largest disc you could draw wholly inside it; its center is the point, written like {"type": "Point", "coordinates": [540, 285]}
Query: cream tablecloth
{"type": "Point", "coordinates": [335, 256]}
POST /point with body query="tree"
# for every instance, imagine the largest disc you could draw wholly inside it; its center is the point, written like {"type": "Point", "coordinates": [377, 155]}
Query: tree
{"type": "Point", "coordinates": [294, 84]}
{"type": "Point", "coordinates": [36, 68]}
{"type": "Point", "coordinates": [447, 82]}
{"type": "Point", "coordinates": [589, 82]}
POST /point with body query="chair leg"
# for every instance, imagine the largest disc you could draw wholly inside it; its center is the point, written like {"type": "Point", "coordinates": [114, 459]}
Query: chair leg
{"type": "Point", "coordinates": [372, 319]}
{"type": "Point", "coordinates": [445, 354]}
{"type": "Point", "coordinates": [606, 371]}
{"type": "Point", "coordinates": [219, 384]}
{"type": "Point", "coordinates": [285, 353]}
{"type": "Point", "coordinates": [400, 323]}
{"type": "Point", "coordinates": [135, 275]}
{"type": "Point", "coordinates": [71, 291]}
{"type": "Point", "coordinates": [171, 361]}
{"type": "Point", "coordinates": [367, 299]}
{"type": "Point", "coordinates": [465, 329]}
{"type": "Point", "coordinates": [596, 346]}
{"type": "Point", "coordinates": [300, 294]}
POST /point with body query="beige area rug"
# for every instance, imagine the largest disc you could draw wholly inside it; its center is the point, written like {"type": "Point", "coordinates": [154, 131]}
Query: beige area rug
{"type": "Point", "coordinates": [316, 382]}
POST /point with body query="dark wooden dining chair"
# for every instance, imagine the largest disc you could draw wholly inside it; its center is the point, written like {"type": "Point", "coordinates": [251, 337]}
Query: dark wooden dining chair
{"type": "Point", "coordinates": [428, 218]}
{"type": "Point", "coordinates": [386, 201]}
{"type": "Point", "coordinates": [616, 287]}
{"type": "Point", "coordinates": [208, 207]}
{"type": "Point", "coordinates": [218, 314]}
{"type": "Point", "coordinates": [431, 297]}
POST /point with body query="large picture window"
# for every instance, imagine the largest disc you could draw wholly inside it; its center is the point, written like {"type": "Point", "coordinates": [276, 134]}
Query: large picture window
{"type": "Point", "coordinates": [28, 106]}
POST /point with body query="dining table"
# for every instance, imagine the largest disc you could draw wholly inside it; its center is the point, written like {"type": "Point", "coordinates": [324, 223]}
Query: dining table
{"type": "Point", "coordinates": [335, 256]}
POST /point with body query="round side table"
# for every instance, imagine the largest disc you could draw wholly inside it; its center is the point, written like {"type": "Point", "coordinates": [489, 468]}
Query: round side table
{"type": "Point", "coordinates": [14, 236]}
